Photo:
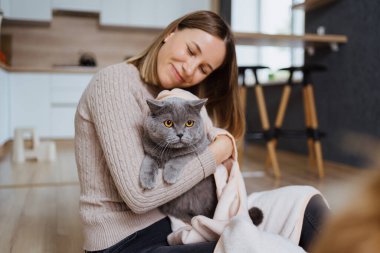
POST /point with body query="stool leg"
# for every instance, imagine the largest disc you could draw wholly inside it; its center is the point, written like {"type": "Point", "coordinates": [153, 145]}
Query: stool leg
{"type": "Point", "coordinates": [265, 125]}
{"type": "Point", "coordinates": [310, 141]}
{"type": "Point", "coordinates": [280, 115]}
{"type": "Point", "coordinates": [314, 125]}
{"type": "Point", "coordinates": [243, 104]}
{"type": "Point", "coordinates": [18, 155]}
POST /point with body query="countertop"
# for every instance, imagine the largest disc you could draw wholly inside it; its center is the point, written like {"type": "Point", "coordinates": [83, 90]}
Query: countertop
{"type": "Point", "coordinates": [62, 69]}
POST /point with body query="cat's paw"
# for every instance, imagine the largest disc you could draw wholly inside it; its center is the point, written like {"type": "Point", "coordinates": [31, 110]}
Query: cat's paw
{"type": "Point", "coordinates": [148, 180]}
{"type": "Point", "coordinates": [170, 175]}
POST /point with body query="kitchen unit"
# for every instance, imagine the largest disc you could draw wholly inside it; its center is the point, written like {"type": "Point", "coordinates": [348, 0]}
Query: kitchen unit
{"type": "Point", "coordinates": [42, 99]}
{"type": "Point", "coordinates": [142, 13]}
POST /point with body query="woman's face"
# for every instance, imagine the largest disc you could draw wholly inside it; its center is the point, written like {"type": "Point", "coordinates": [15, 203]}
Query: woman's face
{"type": "Point", "coordinates": [187, 57]}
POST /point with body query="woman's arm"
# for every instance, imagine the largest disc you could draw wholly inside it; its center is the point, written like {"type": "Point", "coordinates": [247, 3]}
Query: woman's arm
{"type": "Point", "coordinates": [117, 115]}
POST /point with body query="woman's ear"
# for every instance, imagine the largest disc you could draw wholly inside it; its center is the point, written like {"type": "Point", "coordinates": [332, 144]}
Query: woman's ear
{"type": "Point", "coordinates": [168, 37]}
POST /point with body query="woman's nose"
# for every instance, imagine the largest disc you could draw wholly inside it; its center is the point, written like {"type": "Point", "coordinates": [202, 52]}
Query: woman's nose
{"type": "Point", "coordinates": [189, 67]}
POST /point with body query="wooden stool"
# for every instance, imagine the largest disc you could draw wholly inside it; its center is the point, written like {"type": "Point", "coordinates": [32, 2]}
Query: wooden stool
{"type": "Point", "coordinates": [311, 122]}
{"type": "Point", "coordinates": [266, 133]}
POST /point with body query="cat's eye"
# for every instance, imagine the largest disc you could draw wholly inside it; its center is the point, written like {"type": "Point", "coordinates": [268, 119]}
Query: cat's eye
{"type": "Point", "coordinates": [168, 123]}
{"type": "Point", "coordinates": [189, 123]}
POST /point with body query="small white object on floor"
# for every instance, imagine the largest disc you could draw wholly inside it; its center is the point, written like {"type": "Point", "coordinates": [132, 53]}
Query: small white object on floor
{"type": "Point", "coordinates": [41, 150]}
{"type": "Point", "coordinates": [250, 174]}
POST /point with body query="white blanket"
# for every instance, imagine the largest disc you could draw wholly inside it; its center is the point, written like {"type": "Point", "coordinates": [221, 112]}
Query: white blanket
{"type": "Point", "coordinates": [231, 226]}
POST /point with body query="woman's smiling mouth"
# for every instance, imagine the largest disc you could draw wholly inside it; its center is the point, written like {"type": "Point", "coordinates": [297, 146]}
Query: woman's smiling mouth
{"type": "Point", "coordinates": [177, 75]}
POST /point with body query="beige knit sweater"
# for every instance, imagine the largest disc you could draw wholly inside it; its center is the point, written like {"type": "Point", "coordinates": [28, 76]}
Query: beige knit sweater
{"type": "Point", "coordinates": [108, 149]}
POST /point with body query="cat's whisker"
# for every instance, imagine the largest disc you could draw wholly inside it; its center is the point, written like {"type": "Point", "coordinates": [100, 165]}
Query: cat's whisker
{"type": "Point", "coordinates": [159, 145]}
{"type": "Point", "coordinates": [194, 147]}
{"type": "Point", "coordinates": [163, 150]}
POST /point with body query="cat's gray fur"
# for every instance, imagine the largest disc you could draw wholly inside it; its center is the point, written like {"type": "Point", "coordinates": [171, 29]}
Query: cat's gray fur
{"type": "Point", "coordinates": [171, 148]}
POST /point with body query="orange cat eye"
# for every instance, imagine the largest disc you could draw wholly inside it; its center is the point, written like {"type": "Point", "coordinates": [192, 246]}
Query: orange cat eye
{"type": "Point", "coordinates": [189, 123]}
{"type": "Point", "coordinates": [168, 123]}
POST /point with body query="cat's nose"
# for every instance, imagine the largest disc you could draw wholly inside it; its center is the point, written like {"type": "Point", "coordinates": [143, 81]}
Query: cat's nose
{"type": "Point", "coordinates": [180, 135]}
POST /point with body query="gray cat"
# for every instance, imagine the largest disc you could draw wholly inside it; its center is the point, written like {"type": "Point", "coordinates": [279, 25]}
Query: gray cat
{"type": "Point", "coordinates": [174, 134]}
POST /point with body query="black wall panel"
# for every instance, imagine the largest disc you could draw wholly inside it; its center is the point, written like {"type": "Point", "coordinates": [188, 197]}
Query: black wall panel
{"type": "Point", "coordinates": [348, 94]}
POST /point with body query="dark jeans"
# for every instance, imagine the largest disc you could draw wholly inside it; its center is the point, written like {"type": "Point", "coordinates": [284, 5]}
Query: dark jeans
{"type": "Point", "coordinates": [314, 217]}
{"type": "Point", "coordinates": [153, 238]}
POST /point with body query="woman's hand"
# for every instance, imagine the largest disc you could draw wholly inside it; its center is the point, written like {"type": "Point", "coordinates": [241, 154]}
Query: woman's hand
{"type": "Point", "coordinates": [222, 148]}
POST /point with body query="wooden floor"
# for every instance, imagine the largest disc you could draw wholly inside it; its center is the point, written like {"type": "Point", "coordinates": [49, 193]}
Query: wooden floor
{"type": "Point", "coordinates": [39, 201]}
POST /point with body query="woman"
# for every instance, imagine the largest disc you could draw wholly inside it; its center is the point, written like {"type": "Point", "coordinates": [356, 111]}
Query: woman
{"type": "Point", "coordinates": [195, 52]}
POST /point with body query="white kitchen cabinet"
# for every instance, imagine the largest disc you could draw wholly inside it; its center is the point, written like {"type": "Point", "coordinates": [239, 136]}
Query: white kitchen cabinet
{"type": "Point", "coordinates": [147, 13]}
{"type": "Point", "coordinates": [169, 10]}
{"type": "Point", "coordinates": [142, 13]}
{"type": "Point", "coordinates": [66, 89]}
{"type": "Point", "coordinates": [114, 12]}
{"type": "Point", "coordinates": [62, 122]}
{"type": "Point", "coordinates": [44, 101]}
{"type": "Point", "coordinates": [65, 92]}
{"type": "Point", "coordinates": [36, 10]}
{"type": "Point", "coordinates": [30, 101]}
{"type": "Point", "coordinates": [5, 6]}
{"type": "Point", "coordinates": [76, 5]}
{"type": "Point", "coordinates": [4, 107]}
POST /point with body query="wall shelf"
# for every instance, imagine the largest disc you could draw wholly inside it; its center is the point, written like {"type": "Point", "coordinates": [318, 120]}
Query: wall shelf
{"type": "Point", "coordinates": [283, 40]}
{"type": "Point", "coordinates": [309, 5]}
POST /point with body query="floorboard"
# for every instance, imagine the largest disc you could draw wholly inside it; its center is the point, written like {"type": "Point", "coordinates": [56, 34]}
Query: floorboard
{"type": "Point", "coordinates": [39, 209]}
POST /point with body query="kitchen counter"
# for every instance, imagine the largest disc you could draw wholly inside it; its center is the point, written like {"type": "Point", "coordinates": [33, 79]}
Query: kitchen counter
{"type": "Point", "coordinates": [61, 69]}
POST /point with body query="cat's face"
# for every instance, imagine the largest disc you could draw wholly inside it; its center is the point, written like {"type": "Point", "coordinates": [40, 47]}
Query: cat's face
{"type": "Point", "coordinates": [175, 122]}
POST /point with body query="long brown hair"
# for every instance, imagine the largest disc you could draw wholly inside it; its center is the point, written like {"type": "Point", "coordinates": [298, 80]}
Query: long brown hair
{"type": "Point", "coordinates": [220, 87]}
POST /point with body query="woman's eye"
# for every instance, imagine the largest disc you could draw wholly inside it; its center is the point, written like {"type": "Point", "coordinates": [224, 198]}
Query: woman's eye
{"type": "Point", "coordinates": [189, 123]}
{"type": "Point", "coordinates": [168, 123]}
{"type": "Point", "coordinates": [203, 70]}
{"type": "Point", "coordinates": [190, 51]}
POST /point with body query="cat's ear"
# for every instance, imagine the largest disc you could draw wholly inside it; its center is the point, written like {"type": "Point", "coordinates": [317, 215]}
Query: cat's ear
{"type": "Point", "coordinates": [154, 105]}
{"type": "Point", "coordinates": [198, 104]}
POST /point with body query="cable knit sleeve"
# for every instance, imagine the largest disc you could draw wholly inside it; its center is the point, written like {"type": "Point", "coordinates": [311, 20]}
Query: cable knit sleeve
{"type": "Point", "coordinates": [117, 109]}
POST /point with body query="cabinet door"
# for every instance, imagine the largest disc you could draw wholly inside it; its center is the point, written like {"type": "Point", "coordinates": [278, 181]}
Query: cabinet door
{"type": "Point", "coordinates": [66, 90]}
{"type": "Point", "coordinates": [143, 13]}
{"type": "Point", "coordinates": [4, 107]}
{"type": "Point", "coordinates": [165, 14]}
{"type": "Point", "coordinates": [114, 12]}
{"type": "Point", "coordinates": [5, 6]}
{"type": "Point", "coordinates": [30, 101]}
{"type": "Point", "coordinates": [76, 5]}
{"type": "Point", "coordinates": [147, 13]}
{"type": "Point", "coordinates": [62, 122]}
{"type": "Point", "coordinates": [36, 10]}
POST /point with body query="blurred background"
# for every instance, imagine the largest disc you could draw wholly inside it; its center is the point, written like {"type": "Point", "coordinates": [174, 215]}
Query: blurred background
{"type": "Point", "coordinates": [50, 49]}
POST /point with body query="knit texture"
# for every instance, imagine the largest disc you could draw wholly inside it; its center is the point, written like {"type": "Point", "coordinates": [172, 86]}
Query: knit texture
{"type": "Point", "coordinates": [109, 152]}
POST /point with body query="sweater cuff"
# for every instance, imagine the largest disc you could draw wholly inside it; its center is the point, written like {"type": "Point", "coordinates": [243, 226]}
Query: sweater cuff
{"type": "Point", "coordinates": [208, 162]}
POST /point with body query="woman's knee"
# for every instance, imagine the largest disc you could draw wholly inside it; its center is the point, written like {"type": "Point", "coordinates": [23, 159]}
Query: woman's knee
{"type": "Point", "coordinates": [314, 217]}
